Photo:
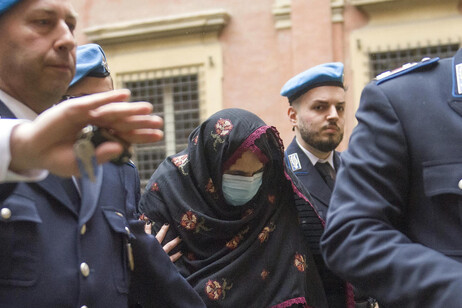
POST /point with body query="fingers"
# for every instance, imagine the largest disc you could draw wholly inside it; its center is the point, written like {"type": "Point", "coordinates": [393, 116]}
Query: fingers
{"type": "Point", "coordinates": [113, 112]}
{"type": "Point", "coordinates": [107, 151]}
{"type": "Point", "coordinates": [175, 256]}
{"type": "Point", "coordinates": [79, 111]}
{"type": "Point", "coordinates": [108, 109]}
{"type": "Point", "coordinates": [140, 136]}
{"type": "Point", "coordinates": [162, 232]}
{"type": "Point", "coordinates": [130, 121]}
{"type": "Point", "coordinates": [172, 244]}
{"type": "Point", "coordinates": [64, 121]}
{"type": "Point", "coordinates": [126, 122]}
{"type": "Point", "coordinates": [99, 99]}
{"type": "Point", "coordinates": [148, 228]}
{"type": "Point", "coordinates": [92, 102]}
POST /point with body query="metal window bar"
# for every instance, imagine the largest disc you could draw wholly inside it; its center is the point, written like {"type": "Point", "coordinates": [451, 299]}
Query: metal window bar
{"type": "Point", "coordinates": [175, 95]}
{"type": "Point", "coordinates": [383, 61]}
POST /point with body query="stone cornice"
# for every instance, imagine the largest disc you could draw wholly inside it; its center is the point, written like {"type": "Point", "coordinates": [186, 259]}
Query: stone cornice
{"type": "Point", "coordinates": [366, 2]}
{"type": "Point", "coordinates": [169, 26]}
{"type": "Point", "coordinates": [281, 12]}
{"type": "Point", "coordinates": [337, 7]}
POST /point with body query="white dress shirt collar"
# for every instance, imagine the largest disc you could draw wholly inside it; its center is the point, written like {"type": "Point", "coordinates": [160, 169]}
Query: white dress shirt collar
{"type": "Point", "coordinates": [20, 110]}
{"type": "Point", "coordinates": [23, 113]}
{"type": "Point", "coordinates": [314, 159]}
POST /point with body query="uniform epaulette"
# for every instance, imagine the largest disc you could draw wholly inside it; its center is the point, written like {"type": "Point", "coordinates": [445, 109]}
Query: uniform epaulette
{"type": "Point", "coordinates": [406, 68]}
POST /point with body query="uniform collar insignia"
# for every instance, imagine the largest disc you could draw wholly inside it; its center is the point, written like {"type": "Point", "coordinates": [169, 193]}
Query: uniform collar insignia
{"type": "Point", "coordinates": [457, 75]}
{"type": "Point", "coordinates": [459, 78]}
{"type": "Point", "coordinates": [294, 162]}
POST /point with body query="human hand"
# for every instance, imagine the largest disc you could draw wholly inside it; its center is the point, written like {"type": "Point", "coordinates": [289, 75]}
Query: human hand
{"type": "Point", "coordinates": [47, 142]}
{"type": "Point", "coordinates": [160, 237]}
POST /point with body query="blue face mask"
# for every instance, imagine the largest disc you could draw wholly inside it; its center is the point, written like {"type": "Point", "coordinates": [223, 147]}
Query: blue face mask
{"type": "Point", "coordinates": [238, 190]}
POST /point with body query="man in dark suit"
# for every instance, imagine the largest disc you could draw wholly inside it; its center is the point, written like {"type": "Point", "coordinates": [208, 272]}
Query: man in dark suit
{"type": "Point", "coordinates": [61, 248]}
{"type": "Point", "coordinates": [394, 221]}
{"type": "Point", "coordinates": [316, 112]}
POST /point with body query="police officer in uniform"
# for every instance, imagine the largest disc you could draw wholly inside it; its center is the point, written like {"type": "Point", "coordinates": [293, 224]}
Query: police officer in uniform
{"type": "Point", "coordinates": [68, 245]}
{"type": "Point", "coordinates": [316, 112]}
{"type": "Point", "coordinates": [394, 221]}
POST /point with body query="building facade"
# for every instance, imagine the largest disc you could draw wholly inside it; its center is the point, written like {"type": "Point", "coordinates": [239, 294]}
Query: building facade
{"type": "Point", "coordinates": [192, 58]}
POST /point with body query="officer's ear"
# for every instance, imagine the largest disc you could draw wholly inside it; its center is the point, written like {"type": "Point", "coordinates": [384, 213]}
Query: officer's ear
{"type": "Point", "coordinates": [292, 113]}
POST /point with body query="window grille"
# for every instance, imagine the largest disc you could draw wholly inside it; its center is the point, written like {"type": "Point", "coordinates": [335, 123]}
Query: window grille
{"type": "Point", "coordinates": [175, 96]}
{"type": "Point", "coordinates": [389, 60]}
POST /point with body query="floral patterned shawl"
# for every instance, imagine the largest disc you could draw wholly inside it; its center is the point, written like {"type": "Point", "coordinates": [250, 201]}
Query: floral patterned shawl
{"type": "Point", "coordinates": [234, 256]}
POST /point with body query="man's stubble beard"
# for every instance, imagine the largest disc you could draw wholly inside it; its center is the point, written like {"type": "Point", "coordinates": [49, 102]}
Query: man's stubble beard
{"type": "Point", "coordinates": [314, 140]}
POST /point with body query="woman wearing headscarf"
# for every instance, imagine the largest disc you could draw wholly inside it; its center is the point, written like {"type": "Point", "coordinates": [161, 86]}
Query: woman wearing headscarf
{"type": "Point", "coordinates": [231, 199]}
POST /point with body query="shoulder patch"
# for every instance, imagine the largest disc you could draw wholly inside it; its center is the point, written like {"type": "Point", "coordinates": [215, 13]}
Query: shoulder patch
{"type": "Point", "coordinates": [406, 68]}
{"type": "Point", "coordinates": [294, 162]}
{"type": "Point", "coordinates": [457, 81]}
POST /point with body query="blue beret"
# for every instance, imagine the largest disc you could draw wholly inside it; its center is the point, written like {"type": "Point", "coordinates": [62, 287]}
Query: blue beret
{"type": "Point", "coordinates": [327, 74]}
{"type": "Point", "coordinates": [5, 5]}
{"type": "Point", "coordinates": [91, 61]}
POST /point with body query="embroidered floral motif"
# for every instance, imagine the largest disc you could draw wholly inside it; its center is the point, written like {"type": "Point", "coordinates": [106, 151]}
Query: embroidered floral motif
{"type": "Point", "coordinates": [191, 256]}
{"type": "Point", "coordinates": [222, 128]}
{"type": "Point", "coordinates": [300, 262]}
{"type": "Point", "coordinates": [196, 139]}
{"type": "Point", "coordinates": [210, 188]}
{"type": "Point", "coordinates": [234, 242]}
{"type": "Point", "coordinates": [264, 274]}
{"type": "Point", "coordinates": [180, 162]}
{"type": "Point", "coordinates": [189, 221]}
{"type": "Point", "coordinates": [155, 187]}
{"type": "Point", "coordinates": [271, 198]}
{"type": "Point", "coordinates": [215, 290]}
{"type": "Point", "coordinates": [263, 236]}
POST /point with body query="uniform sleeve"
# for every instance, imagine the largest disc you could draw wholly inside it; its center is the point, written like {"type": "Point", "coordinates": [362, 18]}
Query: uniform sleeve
{"type": "Point", "coordinates": [363, 241]}
{"type": "Point", "coordinates": [153, 206]}
{"type": "Point", "coordinates": [6, 127]}
{"type": "Point", "coordinates": [156, 281]}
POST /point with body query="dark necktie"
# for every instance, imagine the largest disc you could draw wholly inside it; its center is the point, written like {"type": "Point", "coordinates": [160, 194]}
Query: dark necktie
{"type": "Point", "coordinates": [72, 192]}
{"type": "Point", "coordinates": [327, 173]}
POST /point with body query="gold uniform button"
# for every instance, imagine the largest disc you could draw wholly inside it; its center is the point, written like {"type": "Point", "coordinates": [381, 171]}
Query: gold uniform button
{"type": "Point", "coordinates": [6, 213]}
{"type": "Point", "coordinates": [85, 269]}
{"type": "Point", "coordinates": [119, 214]}
{"type": "Point", "coordinates": [83, 229]}
{"type": "Point", "coordinates": [84, 306]}
{"type": "Point", "coordinates": [460, 184]}
{"type": "Point", "coordinates": [128, 230]}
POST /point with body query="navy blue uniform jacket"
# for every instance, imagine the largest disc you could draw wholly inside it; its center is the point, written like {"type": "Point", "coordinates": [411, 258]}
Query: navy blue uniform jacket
{"type": "Point", "coordinates": [45, 244]}
{"type": "Point", "coordinates": [311, 178]}
{"type": "Point", "coordinates": [394, 225]}
{"type": "Point", "coordinates": [312, 221]}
